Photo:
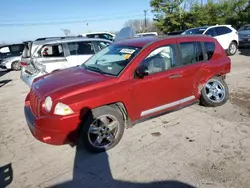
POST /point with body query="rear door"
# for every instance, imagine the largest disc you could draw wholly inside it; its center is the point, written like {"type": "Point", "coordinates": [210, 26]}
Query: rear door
{"type": "Point", "coordinates": [50, 57]}
{"type": "Point", "coordinates": [224, 36]}
{"type": "Point", "coordinates": [79, 52]}
{"type": "Point", "coordinates": [192, 62]}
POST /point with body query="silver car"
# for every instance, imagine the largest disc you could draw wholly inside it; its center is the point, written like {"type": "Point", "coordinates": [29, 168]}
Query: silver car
{"type": "Point", "coordinates": [45, 56]}
{"type": "Point", "coordinates": [244, 35]}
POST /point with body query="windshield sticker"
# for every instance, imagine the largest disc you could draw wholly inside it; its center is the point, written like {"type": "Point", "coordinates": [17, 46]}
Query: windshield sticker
{"type": "Point", "coordinates": [127, 51]}
{"type": "Point", "coordinates": [127, 56]}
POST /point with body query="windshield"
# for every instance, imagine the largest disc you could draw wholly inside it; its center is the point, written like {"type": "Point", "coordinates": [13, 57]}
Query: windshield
{"type": "Point", "coordinates": [194, 31]}
{"type": "Point", "coordinates": [245, 28]}
{"type": "Point", "coordinates": [112, 59]}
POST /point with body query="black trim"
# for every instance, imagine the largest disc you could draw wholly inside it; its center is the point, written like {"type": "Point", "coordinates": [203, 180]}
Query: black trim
{"type": "Point", "coordinates": [30, 118]}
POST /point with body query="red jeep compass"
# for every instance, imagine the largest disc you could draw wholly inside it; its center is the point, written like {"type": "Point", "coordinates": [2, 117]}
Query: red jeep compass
{"type": "Point", "coordinates": [128, 81]}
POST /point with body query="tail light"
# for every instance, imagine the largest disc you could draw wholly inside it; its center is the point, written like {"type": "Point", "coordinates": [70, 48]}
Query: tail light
{"type": "Point", "coordinates": [236, 32]}
{"type": "Point", "coordinates": [23, 64]}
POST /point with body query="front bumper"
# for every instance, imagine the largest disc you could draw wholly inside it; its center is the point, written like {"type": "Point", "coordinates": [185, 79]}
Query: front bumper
{"type": "Point", "coordinates": [245, 41]}
{"type": "Point", "coordinates": [52, 129]}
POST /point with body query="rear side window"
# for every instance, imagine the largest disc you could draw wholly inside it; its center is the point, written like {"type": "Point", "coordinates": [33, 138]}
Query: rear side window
{"type": "Point", "coordinates": [81, 48]}
{"type": "Point", "coordinates": [191, 52]}
{"type": "Point", "coordinates": [222, 30]}
{"type": "Point", "coordinates": [49, 51]}
{"type": "Point", "coordinates": [211, 32]}
{"type": "Point", "coordinates": [209, 47]}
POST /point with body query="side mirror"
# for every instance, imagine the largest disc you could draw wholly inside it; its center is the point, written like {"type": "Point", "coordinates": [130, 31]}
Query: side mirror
{"type": "Point", "coordinates": [141, 71]}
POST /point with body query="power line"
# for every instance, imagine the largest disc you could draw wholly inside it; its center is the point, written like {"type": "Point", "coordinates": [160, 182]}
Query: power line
{"type": "Point", "coordinates": [65, 22]}
{"type": "Point", "coordinates": [79, 17]}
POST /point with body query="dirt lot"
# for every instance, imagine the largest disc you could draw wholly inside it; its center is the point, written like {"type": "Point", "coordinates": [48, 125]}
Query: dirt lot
{"type": "Point", "coordinates": [196, 146]}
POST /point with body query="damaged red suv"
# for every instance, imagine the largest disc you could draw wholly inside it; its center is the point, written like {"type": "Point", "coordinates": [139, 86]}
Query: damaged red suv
{"type": "Point", "coordinates": [129, 81]}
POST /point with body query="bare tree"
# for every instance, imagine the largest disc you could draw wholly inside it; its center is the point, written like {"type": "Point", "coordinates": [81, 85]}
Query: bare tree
{"type": "Point", "coordinates": [67, 32]}
{"type": "Point", "coordinates": [140, 26]}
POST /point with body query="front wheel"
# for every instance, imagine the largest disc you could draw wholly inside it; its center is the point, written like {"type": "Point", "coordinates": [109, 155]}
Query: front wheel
{"type": "Point", "coordinates": [232, 49]}
{"type": "Point", "coordinates": [102, 129]}
{"type": "Point", "coordinates": [214, 93]}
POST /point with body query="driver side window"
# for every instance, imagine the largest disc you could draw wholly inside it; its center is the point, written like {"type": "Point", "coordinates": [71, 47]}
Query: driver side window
{"type": "Point", "coordinates": [160, 59]}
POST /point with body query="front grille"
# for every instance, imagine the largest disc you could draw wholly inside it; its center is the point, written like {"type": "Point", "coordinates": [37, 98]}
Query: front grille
{"type": "Point", "coordinates": [34, 103]}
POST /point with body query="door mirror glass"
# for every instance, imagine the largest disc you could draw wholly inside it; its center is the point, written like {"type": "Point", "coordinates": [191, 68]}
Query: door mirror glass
{"type": "Point", "coordinates": [142, 71]}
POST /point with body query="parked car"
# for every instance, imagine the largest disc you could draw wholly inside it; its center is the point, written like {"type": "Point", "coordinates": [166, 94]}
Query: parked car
{"type": "Point", "coordinates": [147, 34]}
{"type": "Point", "coordinates": [226, 35]}
{"type": "Point", "coordinates": [244, 35]}
{"type": "Point", "coordinates": [53, 55]}
{"type": "Point", "coordinates": [102, 35]}
{"type": "Point", "coordinates": [127, 82]}
{"type": "Point", "coordinates": [10, 55]}
{"type": "Point", "coordinates": [175, 33]}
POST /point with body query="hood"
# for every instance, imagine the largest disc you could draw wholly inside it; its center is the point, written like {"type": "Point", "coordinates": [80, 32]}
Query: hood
{"type": "Point", "coordinates": [244, 32]}
{"type": "Point", "coordinates": [68, 82]}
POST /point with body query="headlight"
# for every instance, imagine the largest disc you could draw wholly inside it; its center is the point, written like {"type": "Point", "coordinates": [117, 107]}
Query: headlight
{"type": "Point", "coordinates": [62, 109]}
{"type": "Point", "coordinates": [48, 103]}
{"type": "Point", "coordinates": [4, 62]}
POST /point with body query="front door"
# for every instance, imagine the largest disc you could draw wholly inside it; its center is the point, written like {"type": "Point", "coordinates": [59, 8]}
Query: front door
{"type": "Point", "coordinates": [159, 91]}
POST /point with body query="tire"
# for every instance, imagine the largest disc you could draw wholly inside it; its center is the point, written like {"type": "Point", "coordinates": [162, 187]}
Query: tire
{"type": "Point", "coordinates": [106, 113]}
{"type": "Point", "coordinates": [15, 66]}
{"type": "Point", "coordinates": [232, 49]}
{"type": "Point", "coordinates": [221, 90]}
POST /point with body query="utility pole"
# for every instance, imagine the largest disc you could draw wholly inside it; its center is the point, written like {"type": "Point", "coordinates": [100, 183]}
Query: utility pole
{"type": "Point", "coordinates": [145, 17]}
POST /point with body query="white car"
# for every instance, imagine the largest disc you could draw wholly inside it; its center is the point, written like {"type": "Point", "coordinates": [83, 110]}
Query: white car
{"type": "Point", "coordinates": [147, 34]}
{"type": "Point", "coordinates": [226, 35]}
{"type": "Point", "coordinates": [99, 34]}
{"type": "Point", "coordinates": [45, 56]}
{"type": "Point", "coordinates": [10, 55]}
{"type": "Point", "coordinates": [11, 63]}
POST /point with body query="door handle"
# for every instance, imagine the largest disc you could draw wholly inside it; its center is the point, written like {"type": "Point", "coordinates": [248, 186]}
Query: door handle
{"type": "Point", "coordinates": [174, 76]}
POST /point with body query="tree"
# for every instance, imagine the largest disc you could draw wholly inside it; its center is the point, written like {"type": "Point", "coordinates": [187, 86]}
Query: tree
{"type": "Point", "coordinates": [172, 15]}
{"type": "Point", "coordinates": [139, 25]}
{"type": "Point", "coordinates": [168, 14]}
{"type": "Point", "coordinates": [66, 32]}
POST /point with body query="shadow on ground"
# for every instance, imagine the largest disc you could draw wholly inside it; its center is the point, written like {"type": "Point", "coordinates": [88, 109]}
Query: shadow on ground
{"type": "Point", "coordinates": [4, 82]}
{"type": "Point", "coordinates": [244, 51]}
{"type": "Point", "coordinates": [93, 170]}
{"type": "Point", "coordinates": [6, 175]}
{"type": "Point", "coordinates": [3, 72]}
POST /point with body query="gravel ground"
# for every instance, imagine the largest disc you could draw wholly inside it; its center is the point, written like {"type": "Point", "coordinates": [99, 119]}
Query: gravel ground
{"type": "Point", "coordinates": [193, 147]}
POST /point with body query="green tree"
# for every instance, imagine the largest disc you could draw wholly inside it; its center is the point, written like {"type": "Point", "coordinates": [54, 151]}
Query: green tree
{"type": "Point", "coordinates": [168, 14]}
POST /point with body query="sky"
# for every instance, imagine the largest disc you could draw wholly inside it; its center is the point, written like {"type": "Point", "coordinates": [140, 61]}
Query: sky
{"type": "Point", "coordinates": [22, 20]}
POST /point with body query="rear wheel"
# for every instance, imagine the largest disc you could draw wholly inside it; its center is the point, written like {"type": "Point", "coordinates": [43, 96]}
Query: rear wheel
{"type": "Point", "coordinates": [232, 49]}
{"type": "Point", "coordinates": [214, 93]}
{"type": "Point", "coordinates": [15, 66]}
{"type": "Point", "coordinates": [102, 129]}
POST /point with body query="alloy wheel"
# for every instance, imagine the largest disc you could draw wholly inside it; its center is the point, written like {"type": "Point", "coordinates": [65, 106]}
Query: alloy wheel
{"type": "Point", "coordinates": [102, 132]}
{"type": "Point", "coordinates": [215, 91]}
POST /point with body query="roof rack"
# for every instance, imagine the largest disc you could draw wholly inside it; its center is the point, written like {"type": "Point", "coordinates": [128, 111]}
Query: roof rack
{"type": "Point", "coordinates": [57, 38]}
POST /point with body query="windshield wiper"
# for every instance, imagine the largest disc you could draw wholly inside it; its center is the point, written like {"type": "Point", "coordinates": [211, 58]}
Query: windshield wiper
{"type": "Point", "coordinates": [95, 69]}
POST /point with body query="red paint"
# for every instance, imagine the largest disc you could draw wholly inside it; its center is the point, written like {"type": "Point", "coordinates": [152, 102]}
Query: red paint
{"type": "Point", "coordinates": [81, 89]}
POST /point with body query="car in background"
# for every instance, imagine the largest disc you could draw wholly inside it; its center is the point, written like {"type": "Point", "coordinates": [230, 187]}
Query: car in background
{"type": "Point", "coordinates": [244, 35]}
{"type": "Point", "coordinates": [10, 55]}
{"type": "Point", "coordinates": [45, 56]}
{"type": "Point", "coordinates": [147, 34]}
{"type": "Point", "coordinates": [102, 35]}
{"type": "Point", "coordinates": [127, 82]}
{"type": "Point", "coordinates": [226, 35]}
